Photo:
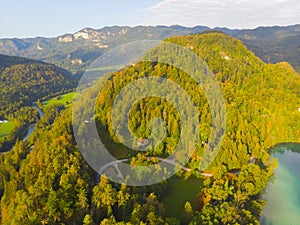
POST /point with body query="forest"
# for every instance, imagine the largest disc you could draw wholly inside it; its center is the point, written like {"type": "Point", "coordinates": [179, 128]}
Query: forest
{"type": "Point", "coordinates": [45, 180]}
{"type": "Point", "coordinates": [22, 82]}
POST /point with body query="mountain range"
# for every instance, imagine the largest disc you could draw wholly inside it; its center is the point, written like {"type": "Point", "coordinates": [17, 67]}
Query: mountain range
{"type": "Point", "coordinates": [75, 52]}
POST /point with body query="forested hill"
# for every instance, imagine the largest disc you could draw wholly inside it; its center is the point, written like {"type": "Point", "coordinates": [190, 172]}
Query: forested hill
{"type": "Point", "coordinates": [262, 99]}
{"type": "Point", "coordinates": [76, 51]}
{"type": "Point", "coordinates": [6, 61]}
{"type": "Point", "coordinates": [52, 184]}
{"type": "Point", "coordinates": [23, 81]}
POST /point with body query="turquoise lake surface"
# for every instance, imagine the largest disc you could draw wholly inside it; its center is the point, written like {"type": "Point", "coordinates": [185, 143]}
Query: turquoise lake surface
{"type": "Point", "coordinates": [283, 193]}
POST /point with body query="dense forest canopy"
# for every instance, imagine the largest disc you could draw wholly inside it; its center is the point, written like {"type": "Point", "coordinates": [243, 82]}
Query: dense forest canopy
{"type": "Point", "coordinates": [46, 180]}
{"type": "Point", "coordinates": [7, 61]}
{"type": "Point", "coordinates": [257, 94]}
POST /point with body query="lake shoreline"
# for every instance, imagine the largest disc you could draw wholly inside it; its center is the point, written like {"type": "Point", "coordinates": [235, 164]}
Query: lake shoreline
{"type": "Point", "coordinates": [282, 193]}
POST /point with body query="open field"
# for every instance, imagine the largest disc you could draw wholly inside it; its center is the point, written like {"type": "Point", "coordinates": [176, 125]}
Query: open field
{"type": "Point", "coordinates": [65, 99]}
{"type": "Point", "coordinates": [6, 129]}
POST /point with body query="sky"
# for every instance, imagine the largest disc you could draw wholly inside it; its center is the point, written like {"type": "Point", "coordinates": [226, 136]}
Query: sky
{"type": "Point", "coordinates": [33, 18]}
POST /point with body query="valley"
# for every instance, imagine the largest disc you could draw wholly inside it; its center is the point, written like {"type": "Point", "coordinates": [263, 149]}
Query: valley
{"type": "Point", "coordinates": [23, 82]}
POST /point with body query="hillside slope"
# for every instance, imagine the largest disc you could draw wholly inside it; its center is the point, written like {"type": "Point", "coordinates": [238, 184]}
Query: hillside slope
{"type": "Point", "coordinates": [23, 81]}
{"type": "Point", "coordinates": [262, 100]}
{"type": "Point", "coordinates": [6, 61]}
{"type": "Point", "coordinates": [274, 44]}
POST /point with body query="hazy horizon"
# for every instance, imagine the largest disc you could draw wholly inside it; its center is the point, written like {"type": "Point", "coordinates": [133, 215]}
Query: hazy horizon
{"type": "Point", "coordinates": [50, 19]}
{"type": "Point", "coordinates": [159, 25]}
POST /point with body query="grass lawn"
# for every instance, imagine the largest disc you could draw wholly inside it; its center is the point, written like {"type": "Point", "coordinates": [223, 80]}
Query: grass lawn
{"type": "Point", "coordinates": [181, 191]}
{"type": "Point", "coordinates": [65, 99]}
{"type": "Point", "coordinates": [6, 129]}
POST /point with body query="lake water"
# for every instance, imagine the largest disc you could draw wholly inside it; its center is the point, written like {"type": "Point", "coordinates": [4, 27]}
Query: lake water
{"type": "Point", "coordinates": [283, 194]}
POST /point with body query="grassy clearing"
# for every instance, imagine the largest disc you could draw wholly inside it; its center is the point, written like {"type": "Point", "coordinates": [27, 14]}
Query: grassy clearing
{"type": "Point", "coordinates": [65, 99]}
{"type": "Point", "coordinates": [181, 191]}
{"type": "Point", "coordinates": [6, 129]}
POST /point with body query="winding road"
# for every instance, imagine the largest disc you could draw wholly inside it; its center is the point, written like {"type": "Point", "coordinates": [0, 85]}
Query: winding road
{"type": "Point", "coordinates": [169, 161]}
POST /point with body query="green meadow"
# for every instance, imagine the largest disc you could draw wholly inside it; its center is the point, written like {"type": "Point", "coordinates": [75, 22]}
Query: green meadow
{"type": "Point", "coordinates": [65, 99]}
{"type": "Point", "coordinates": [6, 129]}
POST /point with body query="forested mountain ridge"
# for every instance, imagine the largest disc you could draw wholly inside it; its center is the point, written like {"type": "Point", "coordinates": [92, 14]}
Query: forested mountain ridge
{"type": "Point", "coordinates": [23, 81]}
{"type": "Point", "coordinates": [6, 61]}
{"type": "Point", "coordinates": [75, 52]}
{"type": "Point", "coordinates": [52, 184]}
{"type": "Point", "coordinates": [274, 44]}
